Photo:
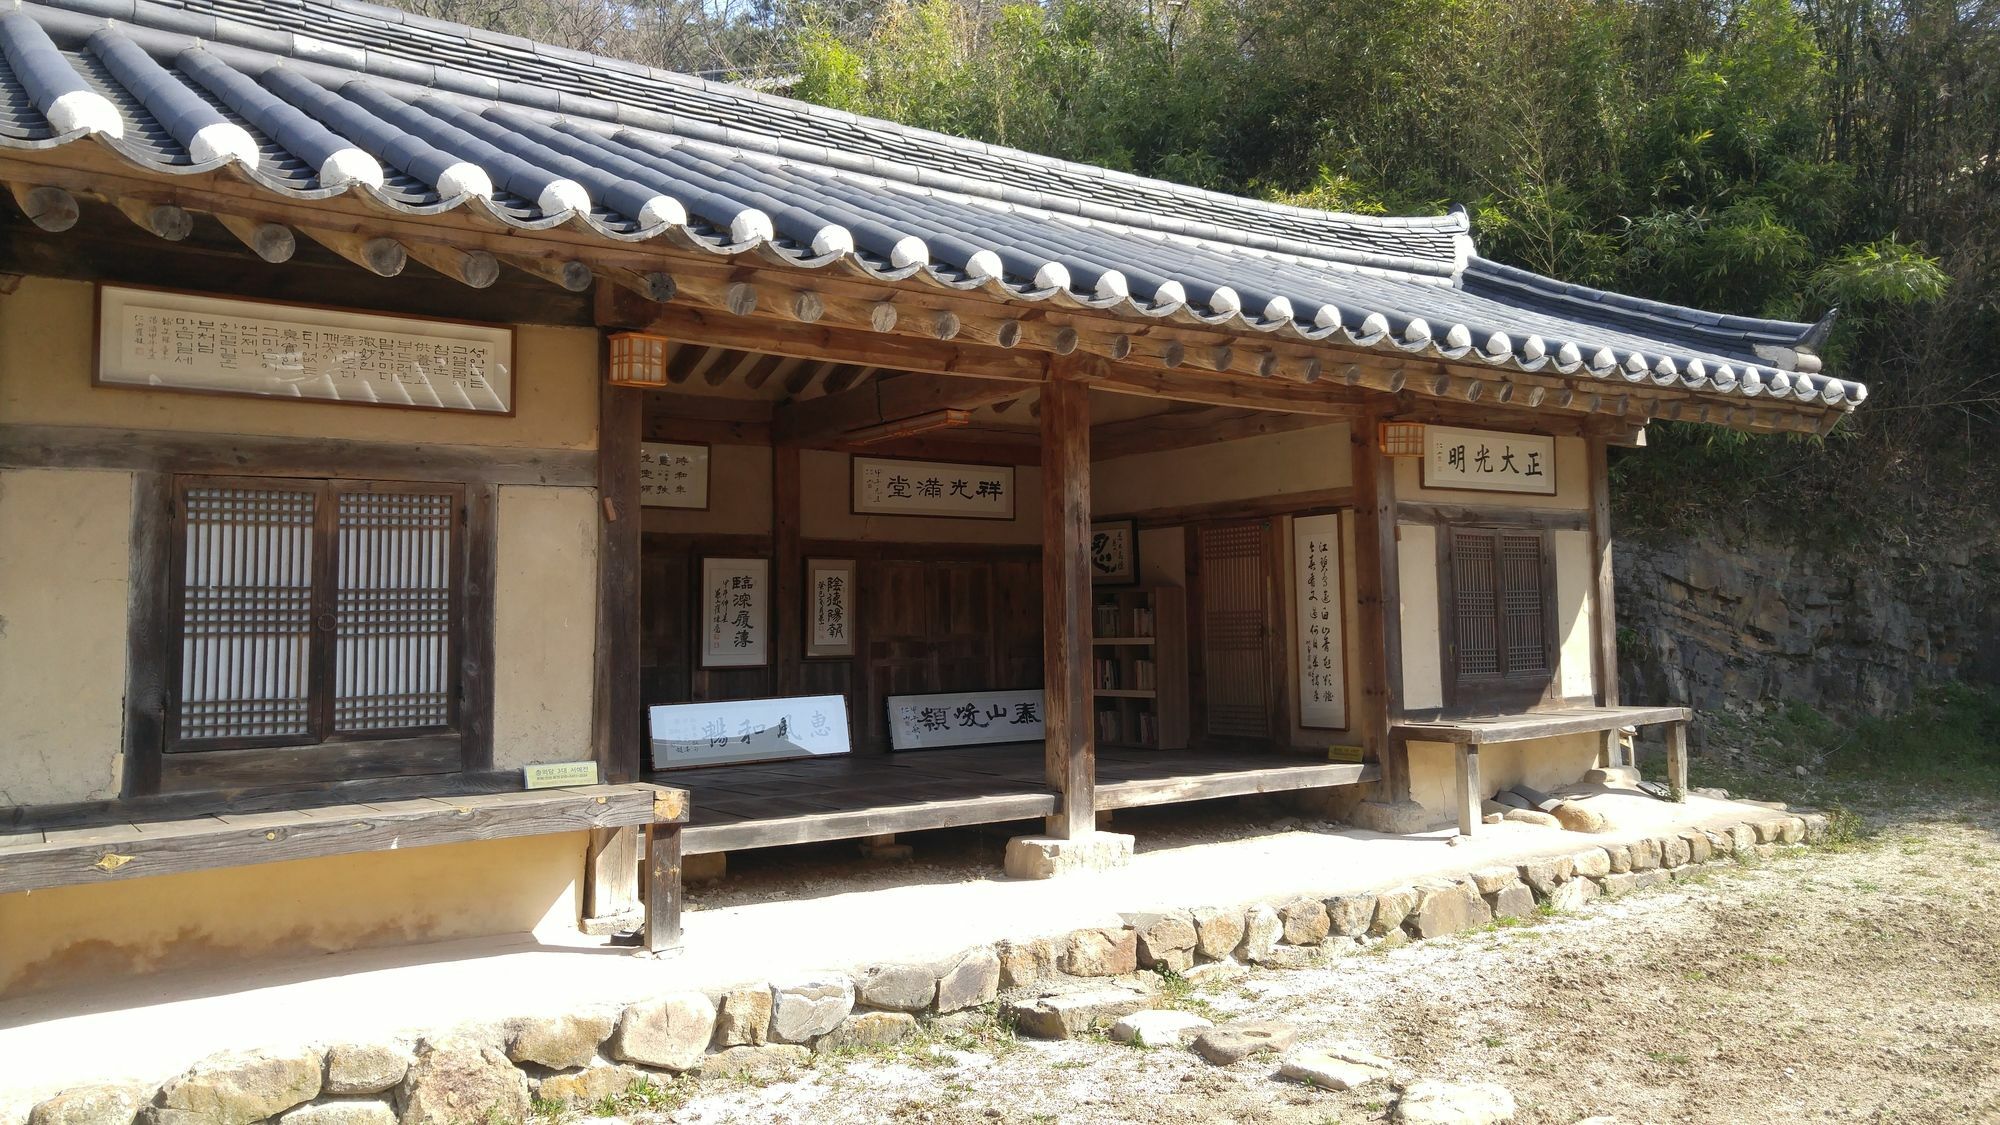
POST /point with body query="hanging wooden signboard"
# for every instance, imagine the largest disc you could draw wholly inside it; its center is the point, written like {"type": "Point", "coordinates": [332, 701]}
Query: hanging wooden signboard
{"type": "Point", "coordinates": [1317, 596]}
{"type": "Point", "coordinates": [735, 613]}
{"type": "Point", "coordinates": [964, 718]}
{"type": "Point", "coordinates": [887, 486]}
{"type": "Point", "coordinates": [190, 342]}
{"type": "Point", "coordinates": [829, 607]}
{"type": "Point", "coordinates": [747, 730]}
{"type": "Point", "coordinates": [673, 475]}
{"type": "Point", "coordinates": [1488, 461]}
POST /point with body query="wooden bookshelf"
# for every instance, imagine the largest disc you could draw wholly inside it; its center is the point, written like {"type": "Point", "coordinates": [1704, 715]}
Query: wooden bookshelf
{"type": "Point", "coordinates": [1139, 675]}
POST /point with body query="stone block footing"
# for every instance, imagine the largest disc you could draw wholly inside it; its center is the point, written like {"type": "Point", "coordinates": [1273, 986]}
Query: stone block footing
{"type": "Point", "coordinates": [1045, 857]}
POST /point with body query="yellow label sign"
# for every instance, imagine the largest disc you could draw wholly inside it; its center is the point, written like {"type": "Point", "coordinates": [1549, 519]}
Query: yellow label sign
{"type": "Point", "coordinates": [557, 775]}
{"type": "Point", "coordinates": [1344, 753]}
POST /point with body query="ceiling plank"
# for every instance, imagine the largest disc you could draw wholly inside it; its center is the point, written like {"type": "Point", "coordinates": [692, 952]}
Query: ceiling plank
{"type": "Point", "coordinates": [1179, 430]}
{"type": "Point", "coordinates": [887, 400]}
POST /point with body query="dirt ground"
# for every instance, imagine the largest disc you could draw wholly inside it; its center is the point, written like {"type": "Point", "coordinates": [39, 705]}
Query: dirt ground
{"type": "Point", "coordinates": [1860, 983]}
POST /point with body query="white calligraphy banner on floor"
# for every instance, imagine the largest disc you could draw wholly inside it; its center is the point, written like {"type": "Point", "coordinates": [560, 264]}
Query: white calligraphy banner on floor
{"type": "Point", "coordinates": [964, 718]}
{"type": "Point", "coordinates": [747, 730]}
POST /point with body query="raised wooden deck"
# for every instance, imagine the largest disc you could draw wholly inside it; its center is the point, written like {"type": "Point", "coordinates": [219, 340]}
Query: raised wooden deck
{"type": "Point", "coordinates": [816, 799]}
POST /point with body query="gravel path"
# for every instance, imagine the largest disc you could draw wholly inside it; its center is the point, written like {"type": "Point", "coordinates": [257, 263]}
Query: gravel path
{"type": "Point", "coordinates": [1859, 984]}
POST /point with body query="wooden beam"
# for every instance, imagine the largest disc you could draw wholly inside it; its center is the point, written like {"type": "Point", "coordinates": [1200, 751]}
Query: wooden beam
{"type": "Point", "coordinates": [615, 716]}
{"type": "Point", "coordinates": [889, 400]}
{"type": "Point", "coordinates": [663, 887]}
{"type": "Point", "coordinates": [725, 366]}
{"type": "Point", "coordinates": [1070, 747]}
{"type": "Point", "coordinates": [1226, 390]}
{"type": "Point", "coordinates": [1179, 430]}
{"type": "Point", "coordinates": [476, 268]}
{"type": "Point", "coordinates": [1469, 794]}
{"type": "Point", "coordinates": [567, 273]}
{"type": "Point", "coordinates": [52, 209]}
{"type": "Point", "coordinates": [162, 219]}
{"type": "Point", "coordinates": [611, 878]}
{"type": "Point", "coordinates": [383, 257]}
{"type": "Point", "coordinates": [1677, 759]}
{"type": "Point", "coordinates": [1316, 500]}
{"type": "Point", "coordinates": [272, 242]}
{"type": "Point", "coordinates": [761, 371]}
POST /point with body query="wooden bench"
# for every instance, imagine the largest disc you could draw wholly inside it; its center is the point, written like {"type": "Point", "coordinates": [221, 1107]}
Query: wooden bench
{"type": "Point", "coordinates": [71, 850]}
{"type": "Point", "coordinates": [1468, 735]}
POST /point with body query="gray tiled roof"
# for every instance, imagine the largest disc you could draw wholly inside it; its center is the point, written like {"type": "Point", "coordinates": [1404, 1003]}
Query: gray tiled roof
{"type": "Point", "coordinates": [310, 98]}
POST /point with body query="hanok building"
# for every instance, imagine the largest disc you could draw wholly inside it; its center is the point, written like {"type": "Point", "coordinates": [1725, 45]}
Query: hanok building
{"type": "Point", "coordinates": [388, 406]}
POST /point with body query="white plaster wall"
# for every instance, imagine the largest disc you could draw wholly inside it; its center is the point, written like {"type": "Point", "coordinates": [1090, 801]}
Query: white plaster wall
{"type": "Point", "coordinates": [65, 551]}
{"type": "Point", "coordinates": [1163, 556]}
{"type": "Point", "coordinates": [545, 625]}
{"type": "Point", "coordinates": [1253, 468]}
{"type": "Point", "coordinates": [826, 502]}
{"type": "Point", "coordinates": [1416, 569]}
{"type": "Point", "coordinates": [1576, 679]}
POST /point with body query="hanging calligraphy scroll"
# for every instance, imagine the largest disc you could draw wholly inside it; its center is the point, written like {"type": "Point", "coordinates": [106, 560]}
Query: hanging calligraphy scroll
{"type": "Point", "coordinates": [673, 475]}
{"type": "Point", "coordinates": [886, 486]}
{"type": "Point", "coordinates": [190, 342]}
{"type": "Point", "coordinates": [964, 718]}
{"type": "Point", "coordinates": [1488, 461]}
{"type": "Point", "coordinates": [747, 730]}
{"type": "Point", "coordinates": [735, 613]}
{"type": "Point", "coordinates": [829, 607]}
{"type": "Point", "coordinates": [1114, 553]}
{"type": "Point", "coordinates": [1322, 664]}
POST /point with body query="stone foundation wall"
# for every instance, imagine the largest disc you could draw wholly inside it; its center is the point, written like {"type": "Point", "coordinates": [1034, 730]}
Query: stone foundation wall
{"type": "Point", "coordinates": [1058, 986]}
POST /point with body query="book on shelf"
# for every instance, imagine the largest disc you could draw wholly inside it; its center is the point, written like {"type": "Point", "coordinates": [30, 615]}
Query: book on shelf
{"type": "Point", "coordinates": [1142, 675]}
{"type": "Point", "coordinates": [1142, 622]}
{"type": "Point", "coordinates": [1106, 624]}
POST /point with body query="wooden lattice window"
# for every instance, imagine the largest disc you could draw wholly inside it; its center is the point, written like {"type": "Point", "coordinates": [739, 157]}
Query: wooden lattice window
{"type": "Point", "coordinates": [314, 611]}
{"type": "Point", "coordinates": [1501, 594]}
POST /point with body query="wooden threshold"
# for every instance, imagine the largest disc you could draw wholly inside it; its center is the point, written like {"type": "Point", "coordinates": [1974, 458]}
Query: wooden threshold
{"type": "Point", "coordinates": [1234, 783]}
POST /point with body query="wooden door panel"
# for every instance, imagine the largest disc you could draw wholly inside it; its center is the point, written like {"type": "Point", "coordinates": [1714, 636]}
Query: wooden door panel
{"type": "Point", "coordinates": [1236, 627]}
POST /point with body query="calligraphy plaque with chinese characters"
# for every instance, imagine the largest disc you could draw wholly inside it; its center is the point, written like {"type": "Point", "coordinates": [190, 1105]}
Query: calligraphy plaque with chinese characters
{"type": "Point", "coordinates": [890, 487]}
{"type": "Point", "coordinates": [188, 342]}
{"type": "Point", "coordinates": [1322, 667]}
{"type": "Point", "coordinates": [964, 718]}
{"type": "Point", "coordinates": [830, 607]}
{"type": "Point", "coordinates": [1489, 461]}
{"type": "Point", "coordinates": [735, 613]}
{"type": "Point", "coordinates": [673, 475]}
{"type": "Point", "coordinates": [747, 730]}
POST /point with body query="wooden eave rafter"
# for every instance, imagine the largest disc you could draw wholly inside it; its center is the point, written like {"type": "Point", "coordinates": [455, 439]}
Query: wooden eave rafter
{"type": "Point", "coordinates": [756, 303]}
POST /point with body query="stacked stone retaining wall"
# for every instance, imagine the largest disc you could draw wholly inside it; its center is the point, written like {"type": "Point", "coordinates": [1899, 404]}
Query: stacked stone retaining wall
{"type": "Point", "coordinates": [1056, 986]}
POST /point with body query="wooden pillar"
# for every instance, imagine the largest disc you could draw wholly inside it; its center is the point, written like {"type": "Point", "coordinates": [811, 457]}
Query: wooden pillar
{"type": "Point", "coordinates": [787, 569]}
{"type": "Point", "coordinates": [611, 877]}
{"type": "Point", "coordinates": [663, 887]}
{"type": "Point", "coordinates": [1677, 759]}
{"type": "Point", "coordinates": [1071, 751]}
{"type": "Point", "coordinates": [615, 716]}
{"type": "Point", "coordinates": [1603, 599]}
{"type": "Point", "coordinates": [1468, 789]}
{"type": "Point", "coordinates": [1378, 618]}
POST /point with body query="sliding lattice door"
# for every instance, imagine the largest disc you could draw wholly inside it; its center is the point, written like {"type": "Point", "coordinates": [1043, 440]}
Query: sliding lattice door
{"type": "Point", "coordinates": [1235, 563]}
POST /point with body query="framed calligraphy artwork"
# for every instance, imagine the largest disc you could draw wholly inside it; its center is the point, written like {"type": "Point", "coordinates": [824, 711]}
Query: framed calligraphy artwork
{"type": "Point", "coordinates": [1114, 553]}
{"type": "Point", "coordinates": [217, 345]}
{"type": "Point", "coordinates": [673, 474]}
{"type": "Point", "coordinates": [888, 486]}
{"type": "Point", "coordinates": [747, 730]}
{"type": "Point", "coordinates": [735, 613]}
{"type": "Point", "coordinates": [1316, 594]}
{"type": "Point", "coordinates": [964, 718]}
{"type": "Point", "coordinates": [829, 608]}
{"type": "Point", "coordinates": [1488, 461]}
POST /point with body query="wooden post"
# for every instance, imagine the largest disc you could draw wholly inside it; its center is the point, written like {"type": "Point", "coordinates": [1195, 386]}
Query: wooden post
{"type": "Point", "coordinates": [1071, 738]}
{"type": "Point", "coordinates": [663, 887]}
{"type": "Point", "coordinates": [1468, 788]}
{"type": "Point", "coordinates": [1677, 759]}
{"type": "Point", "coordinates": [1603, 602]}
{"type": "Point", "coordinates": [1378, 617]}
{"type": "Point", "coordinates": [611, 881]}
{"type": "Point", "coordinates": [787, 569]}
{"type": "Point", "coordinates": [616, 711]}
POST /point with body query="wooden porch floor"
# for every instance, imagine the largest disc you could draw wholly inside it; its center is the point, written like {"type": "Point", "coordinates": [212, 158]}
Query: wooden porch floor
{"type": "Point", "coordinates": [810, 800]}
